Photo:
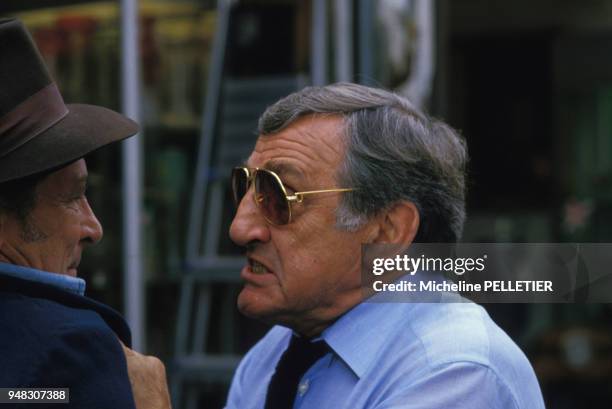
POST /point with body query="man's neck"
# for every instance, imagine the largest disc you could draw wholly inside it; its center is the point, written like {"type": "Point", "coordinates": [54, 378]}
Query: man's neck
{"type": "Point", "coordinates": [311, 325]}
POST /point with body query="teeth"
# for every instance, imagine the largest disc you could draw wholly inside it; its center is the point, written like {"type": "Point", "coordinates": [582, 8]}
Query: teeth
{"type": "Point", "coordinates": [258, 268]}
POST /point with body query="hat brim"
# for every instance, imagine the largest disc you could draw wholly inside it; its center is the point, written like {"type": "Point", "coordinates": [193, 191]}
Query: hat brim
{"type": "Point", "coordinates": [83, 130]}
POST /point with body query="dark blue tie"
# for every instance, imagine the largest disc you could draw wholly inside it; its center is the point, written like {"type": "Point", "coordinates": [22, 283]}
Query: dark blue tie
{"type": "Point", "coordinates": [299, 356]}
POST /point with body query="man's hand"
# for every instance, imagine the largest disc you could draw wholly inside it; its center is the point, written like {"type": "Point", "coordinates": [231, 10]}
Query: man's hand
{"type": "Point", "coordinates": [148, 378]}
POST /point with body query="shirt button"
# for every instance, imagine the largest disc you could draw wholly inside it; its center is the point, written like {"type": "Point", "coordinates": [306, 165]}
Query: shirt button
{"type": "Point", "coordinates": [303, 387]}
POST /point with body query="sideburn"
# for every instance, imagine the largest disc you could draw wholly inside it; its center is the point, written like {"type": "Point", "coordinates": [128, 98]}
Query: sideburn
{"type": "Point", "coordinates": [30, 233]}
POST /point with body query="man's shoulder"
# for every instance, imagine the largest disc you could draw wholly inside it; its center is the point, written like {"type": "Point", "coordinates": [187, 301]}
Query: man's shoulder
{"type": "Point", "coordinates": [47, 344]}
{"type": "Point", "coordinates": [461, 338]}
{"type": "Point", "coordinates": [36, 300]}
{"type": "Point", "coordinates": [43, 315]}
{"type": "Point", "coordinates": [32, 326]}
{"type": "Point", "coordinates": [433, 333]}
{"type": "Point", "coordinates": [38, 331]}
{"type": "Point", "coordinates": [461, 332]}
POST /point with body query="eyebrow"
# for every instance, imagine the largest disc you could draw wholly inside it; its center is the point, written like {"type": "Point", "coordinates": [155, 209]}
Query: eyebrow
{"type": "Point", "coordinates": [283, 168]}
{"type": "Point", "coordinates": [78, 185]}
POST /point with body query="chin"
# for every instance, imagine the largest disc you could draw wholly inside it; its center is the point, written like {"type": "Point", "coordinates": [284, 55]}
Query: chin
{"type": "Point", "coordinates": [254, 305]}
{"type": "Point", "coordinates": [73, 272]}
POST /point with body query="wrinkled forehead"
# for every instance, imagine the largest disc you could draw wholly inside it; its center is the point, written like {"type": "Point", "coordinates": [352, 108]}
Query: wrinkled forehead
{"type": "Point", "coordinates": [310, 146]}
{"type": "Point", "coordinates": [313, 137]}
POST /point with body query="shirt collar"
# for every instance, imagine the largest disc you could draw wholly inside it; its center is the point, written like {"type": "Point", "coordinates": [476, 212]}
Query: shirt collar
{"type": "Point", "coordinates": [353, 339]}
{"type": "Point", "coordinates": [64, 282]}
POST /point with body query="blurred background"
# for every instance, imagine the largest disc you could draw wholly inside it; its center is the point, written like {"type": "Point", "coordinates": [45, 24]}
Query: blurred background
{"type": "Point", "coordinates": [528, 83]}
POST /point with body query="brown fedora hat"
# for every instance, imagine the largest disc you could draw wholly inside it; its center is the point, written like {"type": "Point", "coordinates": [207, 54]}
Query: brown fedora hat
{"type": "Point", "coordinates": [38, 131]}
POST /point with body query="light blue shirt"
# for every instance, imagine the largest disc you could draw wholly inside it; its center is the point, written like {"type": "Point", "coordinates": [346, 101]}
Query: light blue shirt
{"type": "Point", "coordinates": [67, 283]}
{"type": "Point", "coordinates": [400, 355]}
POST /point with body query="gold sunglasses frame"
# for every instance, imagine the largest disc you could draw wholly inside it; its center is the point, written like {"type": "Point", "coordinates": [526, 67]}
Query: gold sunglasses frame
{"type": "Point", "coordinates": [297, 197]}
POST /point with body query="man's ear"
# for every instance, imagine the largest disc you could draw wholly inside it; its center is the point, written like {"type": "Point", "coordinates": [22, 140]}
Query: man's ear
{"type": "Point", "coordinates": [399, 224]}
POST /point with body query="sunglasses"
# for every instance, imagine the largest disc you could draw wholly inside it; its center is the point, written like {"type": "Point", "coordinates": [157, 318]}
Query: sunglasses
{"type": "Point", "coordinates": [270, 193]}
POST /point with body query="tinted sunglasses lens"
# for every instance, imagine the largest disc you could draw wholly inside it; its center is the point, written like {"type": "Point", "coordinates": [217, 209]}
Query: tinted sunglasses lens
{"type": "Point", "coordinates": [271, 198]}
{"type": "Point", "coordinates": [240, 184]}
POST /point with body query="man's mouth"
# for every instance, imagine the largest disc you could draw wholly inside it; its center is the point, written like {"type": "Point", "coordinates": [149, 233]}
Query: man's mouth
{"type": "Point", "coordinates": [257, 267]}
{"type": "Point", "coordinates": [73, 268]}
{"type": "Point", "coordinates": [257, 274]}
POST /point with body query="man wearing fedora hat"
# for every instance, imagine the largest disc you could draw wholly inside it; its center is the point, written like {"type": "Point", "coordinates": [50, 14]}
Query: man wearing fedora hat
{"type": "Point", "coordinates": [51, 335]}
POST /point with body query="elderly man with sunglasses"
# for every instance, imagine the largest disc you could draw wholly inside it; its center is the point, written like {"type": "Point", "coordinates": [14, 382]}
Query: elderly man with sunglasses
{"type": "Point", "coordinates": [333, 168]}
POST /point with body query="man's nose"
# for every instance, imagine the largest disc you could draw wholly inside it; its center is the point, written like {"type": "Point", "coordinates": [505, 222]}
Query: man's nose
{"type": "Point", "coordinates": [249, 225]}
{"type": "Point", "coordinates": [91, 229]}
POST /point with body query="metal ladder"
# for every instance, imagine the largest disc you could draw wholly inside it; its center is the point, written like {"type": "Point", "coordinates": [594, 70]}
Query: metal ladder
{"type": "Point", "coordinates": [231, 110]}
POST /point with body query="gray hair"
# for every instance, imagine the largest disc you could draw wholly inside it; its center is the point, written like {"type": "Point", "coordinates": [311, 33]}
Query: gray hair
{"type": "Point", "coordinates": [394, 152]}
